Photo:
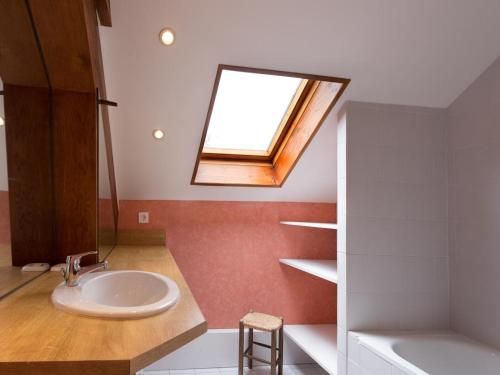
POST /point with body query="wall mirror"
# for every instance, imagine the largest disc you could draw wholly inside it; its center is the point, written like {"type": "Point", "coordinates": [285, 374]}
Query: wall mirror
{"type": "Point", "coordinates": [57, 185]}
{"type": "Point", "coordinates": [11, 277]}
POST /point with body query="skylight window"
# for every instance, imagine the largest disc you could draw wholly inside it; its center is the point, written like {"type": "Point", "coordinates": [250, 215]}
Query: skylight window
{"type": "Point", "coordinates": [249, 110]}
{"type": "Point", "coordinates": [259, 123]}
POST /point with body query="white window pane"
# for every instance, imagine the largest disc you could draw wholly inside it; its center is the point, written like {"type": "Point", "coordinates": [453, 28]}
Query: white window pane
{"type": "Point", "coordinates": [248, 110]}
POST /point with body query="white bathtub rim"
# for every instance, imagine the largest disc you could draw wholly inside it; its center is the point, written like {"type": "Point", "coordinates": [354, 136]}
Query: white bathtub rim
{"type": "Point", "coordinates": [381, 343]}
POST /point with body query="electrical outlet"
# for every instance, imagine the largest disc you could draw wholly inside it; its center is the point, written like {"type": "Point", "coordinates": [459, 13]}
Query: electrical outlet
{"type": "Point", "coordinates": [143, 217]}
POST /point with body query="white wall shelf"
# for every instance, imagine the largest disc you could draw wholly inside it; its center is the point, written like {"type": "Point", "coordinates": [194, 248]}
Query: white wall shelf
{"type": "Point", "coordinates": [319, 341]}
{"type": "Point", "coordinates": [325, 269]}
{"type": "Point", "coordinates": [310, 224]}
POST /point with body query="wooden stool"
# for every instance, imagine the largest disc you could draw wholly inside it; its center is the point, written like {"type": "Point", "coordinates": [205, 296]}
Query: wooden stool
{"type": "Point", "coordinates": [267, 323]}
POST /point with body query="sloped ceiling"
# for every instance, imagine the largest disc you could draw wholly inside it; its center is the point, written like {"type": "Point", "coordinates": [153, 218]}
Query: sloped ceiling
{"type": "Point", "coordinates": [421, 53]}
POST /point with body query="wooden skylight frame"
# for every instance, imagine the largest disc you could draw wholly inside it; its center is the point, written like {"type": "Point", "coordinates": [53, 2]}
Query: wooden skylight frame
{"type": "Point", "coordinates": [312, 103]}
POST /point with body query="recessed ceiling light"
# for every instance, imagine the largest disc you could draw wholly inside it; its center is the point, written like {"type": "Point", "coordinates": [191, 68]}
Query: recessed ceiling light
{"type": "Point", "coordinates": [158, 134]}
{"type": "Point", "coordinates": [2, 121]}
{"type": "Point", "coordinates": [167, 36]}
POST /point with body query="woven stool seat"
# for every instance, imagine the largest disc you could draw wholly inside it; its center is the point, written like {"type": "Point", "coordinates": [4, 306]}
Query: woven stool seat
{"type": "Point", "coordinates": [262, 322]}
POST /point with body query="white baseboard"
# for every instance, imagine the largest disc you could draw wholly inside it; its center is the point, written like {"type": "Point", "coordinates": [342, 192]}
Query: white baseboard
{"type": "Point", "coordinates": [219, 348]}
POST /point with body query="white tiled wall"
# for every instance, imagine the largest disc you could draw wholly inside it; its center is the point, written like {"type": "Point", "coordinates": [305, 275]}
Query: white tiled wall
{"type": "Point", "coordinates": [342, 360]}
{"type": "Point", "coordinates": [474, 209]}
{"type": "Point", "coordinates": [392, 211]}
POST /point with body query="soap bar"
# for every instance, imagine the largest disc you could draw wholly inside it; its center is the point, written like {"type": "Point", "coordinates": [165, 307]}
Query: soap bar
{"type": "Point", "coordinates": [35, 267]}
{"type": "Point", "coordinates": [58, 267]}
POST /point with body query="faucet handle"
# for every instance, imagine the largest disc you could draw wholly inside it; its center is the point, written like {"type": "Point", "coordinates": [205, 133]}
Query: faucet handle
{"type": "Point", "coordinates": [73, 261]}
{"type": "Point", "coordinates": [77, 257]}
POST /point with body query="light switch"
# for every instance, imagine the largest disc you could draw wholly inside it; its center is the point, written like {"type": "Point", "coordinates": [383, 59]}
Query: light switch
{"type": "Point", "coordinates": [143, 217]}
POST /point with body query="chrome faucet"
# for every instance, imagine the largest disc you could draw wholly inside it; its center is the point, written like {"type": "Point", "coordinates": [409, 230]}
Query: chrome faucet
{"type": "Point", "coordinates": [73, 271]}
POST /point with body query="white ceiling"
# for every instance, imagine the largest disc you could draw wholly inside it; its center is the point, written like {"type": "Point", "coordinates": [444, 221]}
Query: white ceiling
{"type": "Point", "coordinates": [421, 53]}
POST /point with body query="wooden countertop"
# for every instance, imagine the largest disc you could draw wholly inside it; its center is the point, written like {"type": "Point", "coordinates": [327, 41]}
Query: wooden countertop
{"type": "Point", "coordinates": [11, 277]}
{"type": "Point", "coordinates": [5, 256]}
{"type": "Point", "coordinates": [36, 338]}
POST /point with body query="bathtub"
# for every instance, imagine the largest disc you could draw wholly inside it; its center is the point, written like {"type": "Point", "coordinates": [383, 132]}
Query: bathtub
{"type": "Point", "coordinates": [420, 353]}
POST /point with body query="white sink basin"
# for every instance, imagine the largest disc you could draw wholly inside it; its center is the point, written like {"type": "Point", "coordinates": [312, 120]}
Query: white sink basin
{"type": "Point", "coordinates": [118, 294]}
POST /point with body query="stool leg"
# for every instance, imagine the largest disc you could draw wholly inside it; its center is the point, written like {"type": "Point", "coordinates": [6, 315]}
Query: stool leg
{"type": "Point", "coordinates": [281, 351]}
{"type": "Point", "coordinates": [240, 358]}
{"type": "Point", "coordinates": [250, 345]}
{"type": "Point", "coordinates": [273, 352]}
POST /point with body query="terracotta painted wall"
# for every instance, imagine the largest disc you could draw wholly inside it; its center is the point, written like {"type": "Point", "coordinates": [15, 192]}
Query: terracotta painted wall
{"type": "Point", "coordinates": [229, 252]}
{"type": "Point", "coordinates": [4, 218]}
{"type": "Point", "coordinates": [105, 214]}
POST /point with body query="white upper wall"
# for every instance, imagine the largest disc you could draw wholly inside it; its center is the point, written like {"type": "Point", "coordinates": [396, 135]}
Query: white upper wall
{"type": "Point", "coordinates": [104, 185]}
{"type": "Point", "coordinates": [403, 52]}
